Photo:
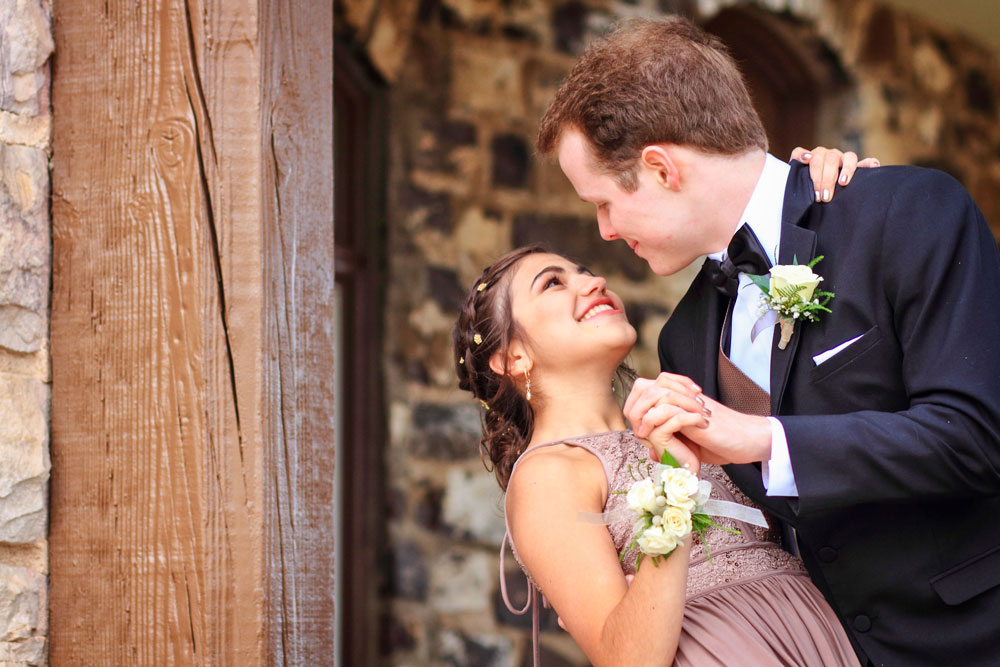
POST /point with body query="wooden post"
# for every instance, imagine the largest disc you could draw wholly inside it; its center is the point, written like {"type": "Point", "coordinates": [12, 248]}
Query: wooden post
{"type": "Point", "coordinates": [191, 337]}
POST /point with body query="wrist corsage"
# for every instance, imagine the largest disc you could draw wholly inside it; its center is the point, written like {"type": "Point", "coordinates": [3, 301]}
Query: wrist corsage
{"type": "Point", "coordinates": [670, 503]}
{"type": "Point", "coordinates": [790, 295]}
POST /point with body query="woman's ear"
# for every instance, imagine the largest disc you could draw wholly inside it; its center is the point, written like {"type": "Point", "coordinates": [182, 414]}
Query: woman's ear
{"type": "Point", "coordinates": [659, 159]}
{"type": "Point", "coordinates": [518, 361]}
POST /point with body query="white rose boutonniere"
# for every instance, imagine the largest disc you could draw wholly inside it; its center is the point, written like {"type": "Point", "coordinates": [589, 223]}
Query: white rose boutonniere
{"type": "Point", "coordinates": [790, 294]}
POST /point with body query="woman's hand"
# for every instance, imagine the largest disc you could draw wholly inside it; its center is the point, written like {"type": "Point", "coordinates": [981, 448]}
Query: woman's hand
{"type": "Point", "coordinates": [826, 163]}
{"type": "Point", "coordinates": [658, 409]}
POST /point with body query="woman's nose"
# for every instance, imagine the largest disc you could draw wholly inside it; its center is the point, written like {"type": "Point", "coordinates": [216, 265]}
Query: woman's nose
{"type": "Point", "coordinates": [593, 284]}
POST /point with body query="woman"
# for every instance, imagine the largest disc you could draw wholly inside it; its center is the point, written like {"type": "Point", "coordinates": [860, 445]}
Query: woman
{"type": "Point", "coordinates": [538, 342]}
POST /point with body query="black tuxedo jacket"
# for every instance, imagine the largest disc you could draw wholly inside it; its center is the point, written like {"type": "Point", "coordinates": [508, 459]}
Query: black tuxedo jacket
{"type": "Point", "coordinates": [894, 441]}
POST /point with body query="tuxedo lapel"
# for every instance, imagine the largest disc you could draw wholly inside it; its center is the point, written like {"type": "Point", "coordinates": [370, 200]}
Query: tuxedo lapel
{"type": "Point", "coordinates": [797, 244]}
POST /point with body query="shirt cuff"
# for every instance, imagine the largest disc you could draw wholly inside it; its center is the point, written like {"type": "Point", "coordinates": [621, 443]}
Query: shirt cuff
{"type": "Point", "coordinates": [776, 473]}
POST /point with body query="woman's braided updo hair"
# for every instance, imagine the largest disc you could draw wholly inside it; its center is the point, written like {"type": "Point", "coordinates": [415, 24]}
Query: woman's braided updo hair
{"type": "Point", "coordinates": [485, 326]}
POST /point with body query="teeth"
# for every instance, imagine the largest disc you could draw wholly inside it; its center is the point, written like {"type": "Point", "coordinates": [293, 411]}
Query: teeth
{"type": "Point", "coordinates": [595, 310]}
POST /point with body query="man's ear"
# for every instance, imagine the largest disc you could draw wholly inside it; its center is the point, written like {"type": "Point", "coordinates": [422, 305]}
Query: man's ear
{"type": "Point", "coordinates": [659, 159]}
{"type": "Point", "coordinates": [518, 361]}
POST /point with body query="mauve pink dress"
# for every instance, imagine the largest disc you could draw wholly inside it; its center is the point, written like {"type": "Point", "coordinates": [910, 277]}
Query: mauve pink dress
{"type": "Point", "coordinates": [753, 604]}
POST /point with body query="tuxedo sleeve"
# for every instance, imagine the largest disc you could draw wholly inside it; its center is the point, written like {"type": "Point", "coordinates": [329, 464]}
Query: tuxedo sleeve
{"type": "Point", "coordinates": [941, 279]}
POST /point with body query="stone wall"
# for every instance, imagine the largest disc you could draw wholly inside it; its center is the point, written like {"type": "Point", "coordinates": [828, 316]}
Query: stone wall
{"type": "Point", "coordinates": [25, 276]}
{"type": "Point", "coordinates": [469, 80]}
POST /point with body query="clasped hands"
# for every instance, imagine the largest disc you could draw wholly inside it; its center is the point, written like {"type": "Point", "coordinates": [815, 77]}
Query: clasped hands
{"type": "Point", "coordinates": [671, 413]}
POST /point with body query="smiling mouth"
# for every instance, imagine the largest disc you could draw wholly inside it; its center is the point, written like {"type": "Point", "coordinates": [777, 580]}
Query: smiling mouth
{"type": "Point", "coordinates": [596, 310]}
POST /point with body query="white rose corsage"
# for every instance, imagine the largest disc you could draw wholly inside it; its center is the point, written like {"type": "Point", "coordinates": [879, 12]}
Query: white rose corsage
{"type": "Point", "coordinates": [670, 503]}
{"type": "Point", "coordinates": [789, 294]}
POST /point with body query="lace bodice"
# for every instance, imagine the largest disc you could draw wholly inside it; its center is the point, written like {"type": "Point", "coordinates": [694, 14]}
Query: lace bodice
{"type": "Point", "coordinates": [755, 551]}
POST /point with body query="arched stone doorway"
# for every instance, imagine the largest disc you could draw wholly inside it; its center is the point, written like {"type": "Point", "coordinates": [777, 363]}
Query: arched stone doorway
{"type": "Point", "coordinates": [792, 74]}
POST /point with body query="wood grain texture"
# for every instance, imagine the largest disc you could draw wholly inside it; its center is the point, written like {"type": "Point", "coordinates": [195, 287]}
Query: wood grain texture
{"type": "Point", "coordinates": [297, 44]}
{"type": "Point", "coordinates": [191, 335]}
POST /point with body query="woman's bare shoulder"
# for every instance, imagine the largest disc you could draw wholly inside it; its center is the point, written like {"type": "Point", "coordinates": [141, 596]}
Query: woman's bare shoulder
{"type": "Point", "coordinates": [560, 476]}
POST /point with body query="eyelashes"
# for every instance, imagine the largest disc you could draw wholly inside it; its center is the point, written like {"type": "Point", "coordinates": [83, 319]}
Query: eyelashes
{"type": "Point", "coordinates": [556, 279]}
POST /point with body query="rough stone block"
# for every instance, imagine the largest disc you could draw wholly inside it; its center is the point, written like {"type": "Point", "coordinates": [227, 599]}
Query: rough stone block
{"type": "Point", "coordinates": [22, 604]}
{"type": "Point", "coordinates": [26, 653]}
{"type": "Point", "coordinates": [25, 44]}
{"type": "Point", "coordinates": [488, 79]}
{"type": "Point", "coordinates": [569, 22]}
{"type": "Point", "coordinates": [445, 431]}
{"type": "Point", "coordinates": [511, 160]}
{"type": "Point", "coordinates": [980, 93]}
{"type": "Point", "coordinates": [578, 238]}
{"type": "Point", "coordinates": [25, 130]}
{"type": "Point", "coordinates": [456, 648]}
{"type": "Point", "coordinates": [461, 582]}
{"type": "Point", "coordinates": [932, 70]}
{"type": "Point", "coordinates": [391, 31]}
{"type": "Point", "coordinates": [24, 458]}
{"type": "Point", "coordinates": [409, 572]}
{"type": "Point", "coordinates": [473, 506]}
{"type": "Point", "coordinates": [25, 256]}
{"type": "Point", "coordinates": [445, 289]}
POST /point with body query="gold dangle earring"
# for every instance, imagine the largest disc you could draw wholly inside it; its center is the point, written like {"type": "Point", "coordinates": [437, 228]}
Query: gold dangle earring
{"type": "Point", "coordinates": [527, 385]}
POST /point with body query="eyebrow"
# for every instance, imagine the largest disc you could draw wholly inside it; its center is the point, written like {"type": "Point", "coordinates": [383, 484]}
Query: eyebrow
{"type": "Point", "coordinates": [580, 268]}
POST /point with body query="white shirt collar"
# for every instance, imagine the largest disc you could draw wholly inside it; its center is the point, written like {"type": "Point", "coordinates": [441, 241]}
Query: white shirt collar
{"type": "Point", "coordinates": [763, 211]}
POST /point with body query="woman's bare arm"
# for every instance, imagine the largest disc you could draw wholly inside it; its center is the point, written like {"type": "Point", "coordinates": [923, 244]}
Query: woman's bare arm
{"type": "Point", "coordinates": [577, 567]}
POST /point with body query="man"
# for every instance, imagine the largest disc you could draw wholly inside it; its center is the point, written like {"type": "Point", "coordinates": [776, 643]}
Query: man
{"type": "Point", "coordinates": [879, 434]}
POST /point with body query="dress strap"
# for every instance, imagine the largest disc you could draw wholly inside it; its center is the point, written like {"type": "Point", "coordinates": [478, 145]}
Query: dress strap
{"type": "Point", "coordinates": [530, 603]}
{"type": "Point", "coordinates": [503, 581]}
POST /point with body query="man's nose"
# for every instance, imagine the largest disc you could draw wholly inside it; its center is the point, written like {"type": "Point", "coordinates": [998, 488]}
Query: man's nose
{"type": "Point", "coordinates": [604, 225]}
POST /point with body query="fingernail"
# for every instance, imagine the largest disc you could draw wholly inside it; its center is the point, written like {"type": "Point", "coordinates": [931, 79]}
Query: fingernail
{"type": "Point", "coordinates": [705, 424]}
{"type": "Point", "coordinates": [877, 163]}
{"type": "Point", "coordinates": [817, 195]}
{"type": "Point", "coordinates": [700, 400]}
{"type": "Point", "coordinates": [843, 179]}
{"type": "Point", "coordinates": [807, 156]}
{"type": "Point", "coordinates": [707, 411]}
{"type": "Point", "coordinates": [696, 387]}
{"type": "Point", "coordinates": [826, 195]}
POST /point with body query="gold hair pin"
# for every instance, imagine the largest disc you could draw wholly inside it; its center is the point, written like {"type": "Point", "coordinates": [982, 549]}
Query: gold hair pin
{"type": "Point", "coordinates": [480, 287]}
{"type": "Point", "coordinates": [477, 339]}
{"type": "Point", "coordinates": [484, 404]}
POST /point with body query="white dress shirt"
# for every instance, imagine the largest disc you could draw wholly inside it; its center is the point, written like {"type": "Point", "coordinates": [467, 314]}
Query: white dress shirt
{"type": "Point", "coordinates": [763, 215]}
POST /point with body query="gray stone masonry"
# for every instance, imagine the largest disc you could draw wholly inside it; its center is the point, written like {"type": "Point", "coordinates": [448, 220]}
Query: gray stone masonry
{"type": "Point", "coordinates": [25, 277]}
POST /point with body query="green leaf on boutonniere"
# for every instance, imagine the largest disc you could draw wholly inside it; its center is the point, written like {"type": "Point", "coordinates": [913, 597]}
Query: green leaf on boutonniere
{"type": "Point", "coordinates": [763, 282]}
{"type": "Point", "coordinates": [815, 261]}
{"type": "Point", "coordinates": [667, 459]}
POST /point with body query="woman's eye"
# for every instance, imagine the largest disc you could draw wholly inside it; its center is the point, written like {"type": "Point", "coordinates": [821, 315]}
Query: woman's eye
{"type": "Point", "coordinates": [554, 280]}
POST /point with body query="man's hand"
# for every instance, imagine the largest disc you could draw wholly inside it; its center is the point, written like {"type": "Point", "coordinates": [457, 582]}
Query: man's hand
{"type": "Point", "coordinates": [732, 437]}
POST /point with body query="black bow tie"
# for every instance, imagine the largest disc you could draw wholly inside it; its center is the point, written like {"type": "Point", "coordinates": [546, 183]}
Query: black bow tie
{"type": "Point", "coordinates": [745, 254]}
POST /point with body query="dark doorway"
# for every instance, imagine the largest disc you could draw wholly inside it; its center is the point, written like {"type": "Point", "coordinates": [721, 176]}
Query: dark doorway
{"type": "Point", "coordinates": [359, 232]}
{"type": "Point", "coordinates": [788, 69]}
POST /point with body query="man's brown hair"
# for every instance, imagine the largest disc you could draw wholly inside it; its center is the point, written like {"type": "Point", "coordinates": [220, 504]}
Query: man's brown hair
{"type": "Point", "coordinates": [649, 82]}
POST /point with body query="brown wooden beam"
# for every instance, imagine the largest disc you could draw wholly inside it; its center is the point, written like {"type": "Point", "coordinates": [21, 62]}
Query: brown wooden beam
{"type": "Point", "coordinates": [190, 431]}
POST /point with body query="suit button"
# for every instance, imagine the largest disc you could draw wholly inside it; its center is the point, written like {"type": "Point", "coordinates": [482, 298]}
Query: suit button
{"type": "Point", "coordinates": [827, 554]}
{"type": "Point", "coordinates": [862, 623]}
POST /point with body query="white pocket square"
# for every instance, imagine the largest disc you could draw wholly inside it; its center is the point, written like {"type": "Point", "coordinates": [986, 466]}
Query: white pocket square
{"type": "Point", "coordinates": [825, 356]}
